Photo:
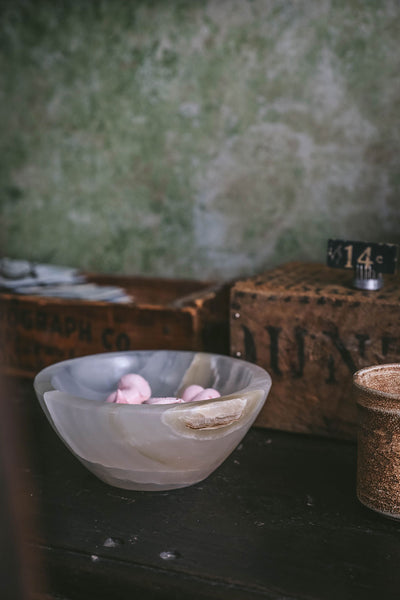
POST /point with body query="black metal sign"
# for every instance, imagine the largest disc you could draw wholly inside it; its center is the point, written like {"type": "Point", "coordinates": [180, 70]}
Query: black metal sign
{"type": "Point", "coordinates": [381, 258]}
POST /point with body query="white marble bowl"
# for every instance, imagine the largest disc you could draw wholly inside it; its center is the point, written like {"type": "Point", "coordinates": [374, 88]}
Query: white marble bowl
{"type": "Point", "coordinates": [152, 447]}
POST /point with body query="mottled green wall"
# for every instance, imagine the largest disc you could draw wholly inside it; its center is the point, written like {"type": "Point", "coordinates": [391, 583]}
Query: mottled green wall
{"type": "Point", "coordinates": [197, 138]}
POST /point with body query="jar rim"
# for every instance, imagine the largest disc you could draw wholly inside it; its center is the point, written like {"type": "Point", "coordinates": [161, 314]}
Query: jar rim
{"type": "Point", "coordinates": [358, 376]}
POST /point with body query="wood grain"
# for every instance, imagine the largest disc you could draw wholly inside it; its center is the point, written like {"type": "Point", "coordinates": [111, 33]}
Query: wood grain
{"type": "Point", "coordinates": [306, 325]}
{"type": "Point", "coordinates": [166, 314]}
{"type": "Point", "coordinates": [279, 519]}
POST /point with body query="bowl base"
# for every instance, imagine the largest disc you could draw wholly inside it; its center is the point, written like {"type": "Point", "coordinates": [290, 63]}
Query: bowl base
{"type": "Point", "coordinates": [131, 482]}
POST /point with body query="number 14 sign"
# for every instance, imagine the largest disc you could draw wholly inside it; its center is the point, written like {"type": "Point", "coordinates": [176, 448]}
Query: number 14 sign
{"type": "Point", "coordinates": [381, 258]}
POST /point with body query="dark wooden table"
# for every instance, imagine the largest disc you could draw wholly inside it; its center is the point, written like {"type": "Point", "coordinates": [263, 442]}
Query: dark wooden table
{"type": "Point", "coordinates": [279, 519]}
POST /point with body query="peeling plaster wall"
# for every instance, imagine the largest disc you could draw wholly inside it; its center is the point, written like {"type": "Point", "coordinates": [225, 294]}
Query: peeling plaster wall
{"type": "Point", "coordinates": [201, 139]}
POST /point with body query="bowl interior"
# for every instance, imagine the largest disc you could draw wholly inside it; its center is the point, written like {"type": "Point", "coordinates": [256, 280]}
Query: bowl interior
{"type": "Point", "coordinates": [168, 372]}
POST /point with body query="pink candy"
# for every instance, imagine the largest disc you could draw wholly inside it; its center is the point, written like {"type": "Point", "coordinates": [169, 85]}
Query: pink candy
{"type": "Point", "coordinates": [206, 394]}
{"type": "Point", "coordinates": [134, 389]}
{"type": "Point", "coordinates": [137, 382]}
{"type": "Point", "coordinates": [191, 391]}
{"type": "Point", "coordinates": [167, 400]}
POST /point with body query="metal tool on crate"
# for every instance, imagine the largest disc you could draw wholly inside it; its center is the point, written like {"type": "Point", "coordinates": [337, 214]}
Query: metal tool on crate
{"type": "Point", "coordinates": [366, 278]}
{"type": "Point", "coordinates": [369, 261]}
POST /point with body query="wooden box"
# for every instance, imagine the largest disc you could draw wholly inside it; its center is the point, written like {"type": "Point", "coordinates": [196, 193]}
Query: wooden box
{"type": "Point", "coordinates": [306, 325]}
{"type": "Point", "coordinates": [167, 314]}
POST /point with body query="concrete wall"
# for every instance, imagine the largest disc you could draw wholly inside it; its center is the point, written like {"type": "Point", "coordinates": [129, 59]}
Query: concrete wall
{"type": "Point", "coordinates": [202, 139]}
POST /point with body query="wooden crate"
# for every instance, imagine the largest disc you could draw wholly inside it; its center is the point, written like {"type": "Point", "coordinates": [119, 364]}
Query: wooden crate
{"type": "Point", "coordinates": [306, 325]}
{"type": "Point", "coordinates": [167, 314]}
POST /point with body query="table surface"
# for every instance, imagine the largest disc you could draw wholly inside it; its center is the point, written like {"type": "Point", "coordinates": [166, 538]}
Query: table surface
{"type": "Point", "coordinates": [279, 519]}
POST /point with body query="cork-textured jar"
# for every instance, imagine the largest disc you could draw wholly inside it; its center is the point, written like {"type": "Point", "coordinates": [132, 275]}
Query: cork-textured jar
{"type": "Point", "coordinates": [377, 394]}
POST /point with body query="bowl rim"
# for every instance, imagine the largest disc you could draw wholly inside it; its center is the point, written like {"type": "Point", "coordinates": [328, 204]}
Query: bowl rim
{"type": "Point", "coordinates": [262, 377]}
